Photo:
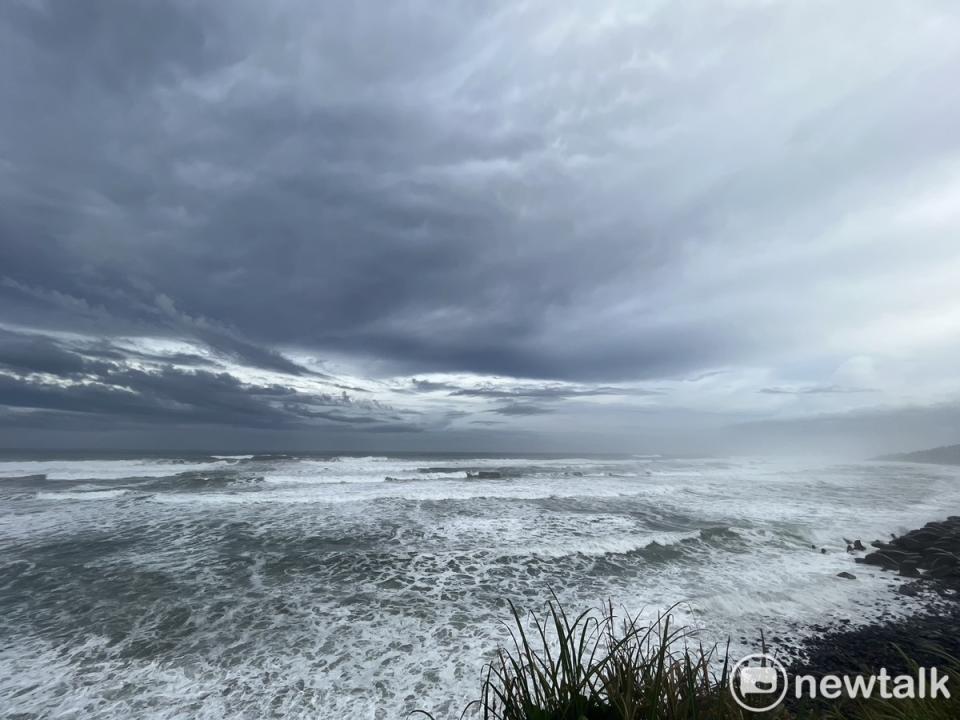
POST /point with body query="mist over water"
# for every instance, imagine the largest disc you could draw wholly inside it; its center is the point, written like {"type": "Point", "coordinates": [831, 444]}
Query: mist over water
{"type": "Point", "coordinates": [272, 586]}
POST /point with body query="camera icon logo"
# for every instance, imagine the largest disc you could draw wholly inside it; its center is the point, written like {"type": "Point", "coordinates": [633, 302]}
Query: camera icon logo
{"type": "Point", "coordinates": [757, 678]}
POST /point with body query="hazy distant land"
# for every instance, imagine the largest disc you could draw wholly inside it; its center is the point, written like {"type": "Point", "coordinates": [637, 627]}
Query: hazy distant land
{"type": "Point", "coordinates": [946, 455]}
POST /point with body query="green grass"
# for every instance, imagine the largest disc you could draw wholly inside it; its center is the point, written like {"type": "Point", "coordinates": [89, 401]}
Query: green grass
{"type": "Point", "coordinates": [598, 666]}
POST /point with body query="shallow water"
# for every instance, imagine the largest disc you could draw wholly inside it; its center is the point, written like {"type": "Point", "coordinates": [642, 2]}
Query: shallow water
{"type": "Point", "coordinates": [270, 586]}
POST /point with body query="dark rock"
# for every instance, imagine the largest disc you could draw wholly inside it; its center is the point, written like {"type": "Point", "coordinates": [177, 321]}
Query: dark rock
{"type": "Point", "coordinates": [943, 560]}
{"type": "Point", "coordinates": [881, 559]}
{"type": "Point", "coordinates": [908, 569]}
{"type": "Point", "coordinates": [888, 548]}
{"type": "Point", "coordinates": [943, 572]}
{"type": "Point", "coordinates": [909, 589]}
{"type": "Point", "coordinates": [857, 545]}
{"type": "Point", "coordinates": [846, 576]}
{"type": "Point", "coordinates": [823, 551]}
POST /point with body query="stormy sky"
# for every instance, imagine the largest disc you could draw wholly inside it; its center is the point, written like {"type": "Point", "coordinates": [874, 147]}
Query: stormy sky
{"type": "Point", "coordinates": [636, 226]}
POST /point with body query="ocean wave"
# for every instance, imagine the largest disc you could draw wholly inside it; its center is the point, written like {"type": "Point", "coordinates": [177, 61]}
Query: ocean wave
{"type": "Point", "coordinates": [102, 469]}
{"type": "Point", "coordinates": [206, 592]}
{"type": "Point", "coordinates": [81, 495]}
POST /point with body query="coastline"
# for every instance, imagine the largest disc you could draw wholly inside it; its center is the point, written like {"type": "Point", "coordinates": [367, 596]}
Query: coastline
{"type": "Point", "coordinates": [923, 565]}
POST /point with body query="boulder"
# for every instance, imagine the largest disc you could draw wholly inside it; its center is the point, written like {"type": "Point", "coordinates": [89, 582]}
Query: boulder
{"type": "Point", "coordinates": [943, 572]}
{"type": "Point", "coordinates": [948, 545]}
{"type": "Point", "coordinates": [908, 569]}
{"type": "Point", "coordinates": [846, 576]}
{"type": "Point", "coordinates": [857, 545]}
{"type": "Point", "coordinates": [881, 559]}
{"type": "Point", "coordinates": [942, 560]}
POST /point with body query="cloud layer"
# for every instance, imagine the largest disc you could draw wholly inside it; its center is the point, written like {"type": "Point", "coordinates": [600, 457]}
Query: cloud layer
{"type": "Point", "coordinates": [229, 214]}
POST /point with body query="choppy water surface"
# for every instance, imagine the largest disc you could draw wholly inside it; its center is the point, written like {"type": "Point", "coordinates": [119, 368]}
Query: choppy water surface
{"type": "Point", "coordinates": [269, 586]}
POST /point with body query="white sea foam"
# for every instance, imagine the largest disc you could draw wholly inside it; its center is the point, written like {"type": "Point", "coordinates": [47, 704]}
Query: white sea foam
{"type": "Point", "coordinates": [81, 495]}
{"type": "Point", "coordinates": [326, 592]}
{"type": "Point", "coordinates": [100, 469]}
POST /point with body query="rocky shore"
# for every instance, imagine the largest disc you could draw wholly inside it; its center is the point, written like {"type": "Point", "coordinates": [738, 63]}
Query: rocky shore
{"type": "Point", "coordinates": [934, 549]}
{"type": "Point", "coordinates": [928, 561]}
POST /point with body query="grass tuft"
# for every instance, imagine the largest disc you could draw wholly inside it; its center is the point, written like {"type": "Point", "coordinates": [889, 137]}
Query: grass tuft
{"type": "Point", "coordinates": [598, 666]}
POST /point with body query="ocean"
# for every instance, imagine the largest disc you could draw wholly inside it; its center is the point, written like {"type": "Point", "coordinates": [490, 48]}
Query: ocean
{"type": "Point", "coordinates": [336, 586]}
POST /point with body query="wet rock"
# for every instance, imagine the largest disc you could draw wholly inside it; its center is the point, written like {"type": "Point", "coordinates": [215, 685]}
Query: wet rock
{"type": "Point", "coordinates": [857, 545]}
{"type": "Point", "coordinates": [882, 560]}
{"type": "Point", "coordinates": [846, 576]}
{"type": "Point", "coordinates": [909, 569]}
{"type": "Point", "coordinates": [911, 589]}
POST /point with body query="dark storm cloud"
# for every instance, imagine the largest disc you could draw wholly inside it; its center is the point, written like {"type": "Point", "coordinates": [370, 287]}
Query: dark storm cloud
{"type": "Point", "coordinates": [109, 352]}
{"type": "Point", "coordinates": [546, 191]}
{"type": "Point", "coordinates": [186, 397]}
{"type": "Point", "coordinates": [45, 376]}
{"type": "Point", "coordinates": [173, 167]}
{"type": "Point", "coordinates": [31, 354]}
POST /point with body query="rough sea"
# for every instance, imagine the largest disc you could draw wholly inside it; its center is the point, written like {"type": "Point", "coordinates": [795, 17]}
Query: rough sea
{"type": "Point", "coordinates": [274, 586]}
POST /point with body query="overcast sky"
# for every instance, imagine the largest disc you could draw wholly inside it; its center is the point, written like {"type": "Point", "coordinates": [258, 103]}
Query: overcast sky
{"type": "Point", "coordinates": [523, 225]}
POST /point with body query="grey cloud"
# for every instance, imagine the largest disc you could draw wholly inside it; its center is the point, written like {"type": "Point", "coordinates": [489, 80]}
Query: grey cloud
{"type": "Point", "coordinates": [166, 396]}
{"type": "Point", "coordinates": [31, 354]}
{"type": "Point", "coordinates": [550, 392]}
{"type": "Point", "coordinates": [488, 193]}
{"type": "Point", "coordinates": [862, 433]}
{"type": "Point", "coordinates": [815, 390]}
{"type": "Point", "coordinates": [82, 389]}
{"type": "Point", "coordinates": [430, 386]}
{"type": "Point", "coordinates": [524, 391]}
{"type": "Point", "coordinates": [521, 409]}
{"type": "Point", "coordinates": [364, 210]}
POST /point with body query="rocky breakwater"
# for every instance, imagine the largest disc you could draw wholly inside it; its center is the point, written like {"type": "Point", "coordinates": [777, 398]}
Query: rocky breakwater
{"type": "Point", "coordinates": [928, 553]}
